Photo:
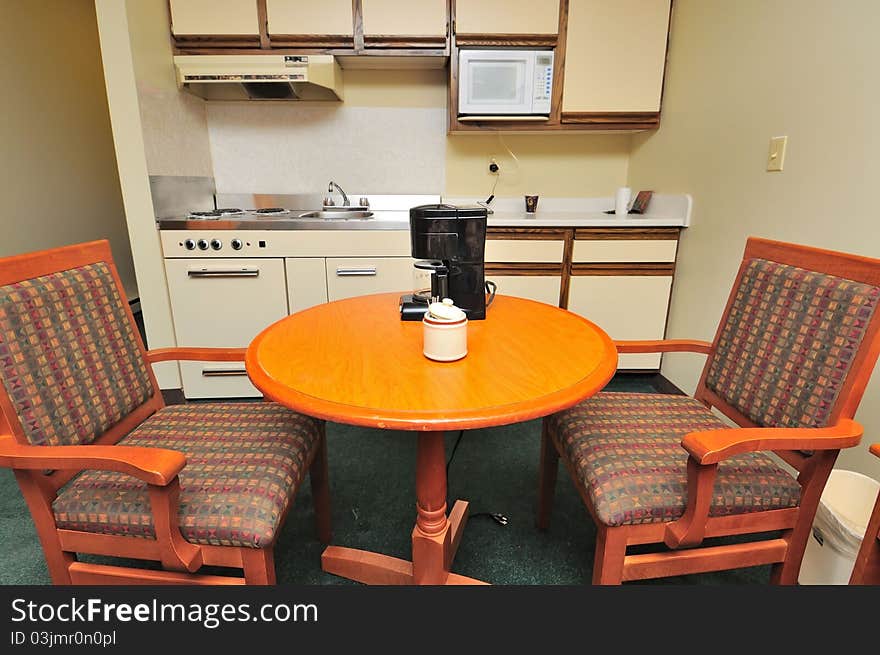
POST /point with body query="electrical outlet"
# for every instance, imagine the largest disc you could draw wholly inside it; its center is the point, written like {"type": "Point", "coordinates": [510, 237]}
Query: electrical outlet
{"type": "Point", "coordinates": [776, 156]}
{"type": "Point", "coordinates": [494, 166]}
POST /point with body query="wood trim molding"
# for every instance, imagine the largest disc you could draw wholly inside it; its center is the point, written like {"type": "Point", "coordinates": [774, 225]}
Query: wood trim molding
{"type": "Point", "coordinates": [628, 234]}
{"type": "Point", "coordinates": [357, 17]}
{"type": "Point", "coordinates": [645, 120]}
{"type": "Point", "coordinates": [263, 24]}
{"type": "Point", "coordinates": [526, 234]}
{"type": "Point", "coordinates": [507, 40]}
{"type": "Point", "coordinates": [559, 65]}
{"type": "Point", "coordinates": [312, 41]}
{"type": "Point", "coordinates": [660, 269]}
{"type": "Point", "coordinates": [523, 268]}
{"type": "Point", "coordinates": [404, 41]}
{"type": "Point", "coordinates": [214, 41]}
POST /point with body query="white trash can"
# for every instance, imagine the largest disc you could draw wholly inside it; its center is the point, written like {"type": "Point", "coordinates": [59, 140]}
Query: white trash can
{"type": "Point", "coordinates": [838, 529]}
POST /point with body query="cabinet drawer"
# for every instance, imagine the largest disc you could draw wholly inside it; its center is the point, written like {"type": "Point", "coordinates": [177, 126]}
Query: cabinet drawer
{"type": "Point", "coordinates": [512, 251]}
{"type": "Point", "coordinates": [621, 251]}
{"type": "Point", "coordinates": [216, 380]}
{"type": "Point", "coordinates": [361, 276]}
{"type": "Point", "coordinates": [543, 288]}
{"type": "Point", "coordinates": [214, 17]}
{"type": "Point", "coordinates": [626, 307]}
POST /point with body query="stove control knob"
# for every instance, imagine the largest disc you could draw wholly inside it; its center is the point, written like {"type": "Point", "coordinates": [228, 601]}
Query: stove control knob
{"type": "Point", "coordinates": [189, 244]}
{"type": "Point", "coordinates": [216, 244]}
{"type": "Point", "coordinates": [236, 244]}
{"type": "Point", "coordinates": [203, 244]}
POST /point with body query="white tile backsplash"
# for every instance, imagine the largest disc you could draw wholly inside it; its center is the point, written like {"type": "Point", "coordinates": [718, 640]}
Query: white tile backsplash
{"type": "Point", "coordinates": [290, 147]}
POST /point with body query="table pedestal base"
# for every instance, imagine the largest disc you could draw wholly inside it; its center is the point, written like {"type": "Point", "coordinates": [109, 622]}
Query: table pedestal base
{"type": "Point", "coordinates": [435, 538]}
{"type": "Point", "coordinates": [434, 555]}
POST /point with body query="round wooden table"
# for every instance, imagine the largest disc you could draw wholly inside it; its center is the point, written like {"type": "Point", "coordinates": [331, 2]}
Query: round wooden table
{"type": "Point", "coordinates": [354, 361]}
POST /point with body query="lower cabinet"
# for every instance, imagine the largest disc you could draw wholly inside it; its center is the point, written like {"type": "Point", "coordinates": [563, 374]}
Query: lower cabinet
{"type": "Point", "coordinates": [360, 276]}
{"type": "Point", "coordinates": [543, 288]}
{"type": "Point", "coordinates": [223, 303]}
{"type": "Point", "coordinates": [626, 307]}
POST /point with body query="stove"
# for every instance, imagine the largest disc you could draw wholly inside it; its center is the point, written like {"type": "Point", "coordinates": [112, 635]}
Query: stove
{"type": "Point", "coordinates": [215, 214]}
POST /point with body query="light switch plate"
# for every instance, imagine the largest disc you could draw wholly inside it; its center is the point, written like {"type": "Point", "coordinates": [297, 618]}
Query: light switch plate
{"type": "Point", "coordinates": [776, 156]}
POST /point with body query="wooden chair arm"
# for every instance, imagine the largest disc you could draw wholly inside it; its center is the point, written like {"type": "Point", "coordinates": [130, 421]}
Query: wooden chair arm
{"type": "Point", "coordinates": [196, 354]}
{"type": "Point", "coordinates": [156, 466]}
{"type": "Point", "coordinates": [664, 346]}
{"type": "Point", "coordinates": [712, 446]}
{"type": "Point", "coordinates": [708, 448]}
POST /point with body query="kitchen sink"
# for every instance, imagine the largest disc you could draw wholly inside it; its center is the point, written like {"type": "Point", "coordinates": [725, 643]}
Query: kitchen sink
{"type": "Point", "coordinates": [339, 214]}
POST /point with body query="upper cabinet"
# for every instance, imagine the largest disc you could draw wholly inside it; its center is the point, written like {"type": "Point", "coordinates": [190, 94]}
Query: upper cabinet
{"type": "Point", "coordinates": [615, 58]}
{"type": "Point", "coordinates": [479, 17]}
{"type": "Point", "coordinates": [326, 18]}
{"type": "Point", "coordinates": [214, 18]}
{"type": "Point", "coordinates": [404, 18]}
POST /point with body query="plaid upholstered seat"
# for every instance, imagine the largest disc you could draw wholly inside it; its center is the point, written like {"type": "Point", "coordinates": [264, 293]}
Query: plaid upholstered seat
{"type": "Point", "coordinates": [626, 452]}
{"type": "Point", "coordinates": [244, 463]}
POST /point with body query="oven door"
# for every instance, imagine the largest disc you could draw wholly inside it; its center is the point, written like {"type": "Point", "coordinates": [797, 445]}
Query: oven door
{"type": "Point", "coordinates": [495, 81]}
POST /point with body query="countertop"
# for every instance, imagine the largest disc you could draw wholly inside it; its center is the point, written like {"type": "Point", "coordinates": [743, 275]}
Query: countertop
{"type": "Point", "coordinates": [664, 211]}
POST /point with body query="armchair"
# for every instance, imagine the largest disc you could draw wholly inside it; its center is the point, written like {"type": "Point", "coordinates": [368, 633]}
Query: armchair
{"type": "Point", "coordinates": [106, 468]}
{"type": "Point", "coordinates": [867, 566]}
{"type": "Point", "coordinates": [789, 363]}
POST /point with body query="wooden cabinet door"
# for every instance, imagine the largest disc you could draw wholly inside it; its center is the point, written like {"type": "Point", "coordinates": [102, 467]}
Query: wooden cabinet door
{"type": "Point", "coordinates": [506, 16]}
{"type": "Point", "coordinates": [404, 18]}
{"type": "Point", "coordinates": [360, 276]}
{"type": "Point", "coordinates": [214, 17]}
{"type": "Point", "coordinates": [543, 288]}
{"type": "Point", "coordinates": [626, 307]}
{"type": "Point", "coordinates": [615, 55]}
{"type": "Point", "coordinates": [310, 17]}
{"type": "Point", "coordinates": [306, 282]}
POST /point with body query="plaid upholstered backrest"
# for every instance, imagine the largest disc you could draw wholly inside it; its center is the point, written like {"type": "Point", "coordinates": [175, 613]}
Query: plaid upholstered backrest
{"type": "Point", "coordinates": [789, 341]}
{"type": "Point", "coordinates": [69, 358]}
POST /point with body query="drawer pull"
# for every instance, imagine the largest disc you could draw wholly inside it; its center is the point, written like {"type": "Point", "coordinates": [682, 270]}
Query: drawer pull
{"type": "Point", "coordinates": [225, 272]}
{"type": "Point", "coordinates": [223, 372]}
{"type": "Point", "coordinates": [343, 271]}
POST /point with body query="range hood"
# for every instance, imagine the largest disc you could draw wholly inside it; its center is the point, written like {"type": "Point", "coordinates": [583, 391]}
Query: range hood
{"type": "Point", "coordinates": [260, 77]}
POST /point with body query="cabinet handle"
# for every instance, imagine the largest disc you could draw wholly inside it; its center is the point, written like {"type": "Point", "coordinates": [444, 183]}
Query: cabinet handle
{"type": "Point", "coordinates": [225, 272]}
{"type": "Point", "coordinates": [223, 372]}
{"type": "Point", "coordinates": [343, 271]}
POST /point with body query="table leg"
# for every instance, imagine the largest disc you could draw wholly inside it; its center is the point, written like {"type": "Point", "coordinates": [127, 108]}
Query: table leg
{"type": "Point", "coordinates": [435, 537]}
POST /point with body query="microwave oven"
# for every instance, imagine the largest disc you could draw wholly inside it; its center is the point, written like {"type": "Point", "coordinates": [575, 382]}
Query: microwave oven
{"type": "Point", "coordinates": [505, 82]}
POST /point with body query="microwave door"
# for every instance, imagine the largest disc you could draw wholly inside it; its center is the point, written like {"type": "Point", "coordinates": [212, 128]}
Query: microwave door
{"type": "Point", "coordinates": [495, 85]}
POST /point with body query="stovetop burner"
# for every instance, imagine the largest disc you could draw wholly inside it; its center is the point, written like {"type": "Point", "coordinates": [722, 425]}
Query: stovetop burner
{"type": "Point", "coordinates": [214, 214]}
{"type": "Point", "coordinates": [270, 211]}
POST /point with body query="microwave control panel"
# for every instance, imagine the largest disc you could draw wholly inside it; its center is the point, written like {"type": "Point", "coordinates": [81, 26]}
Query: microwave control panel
{"type": "Point", "coordinates": [543, 83]}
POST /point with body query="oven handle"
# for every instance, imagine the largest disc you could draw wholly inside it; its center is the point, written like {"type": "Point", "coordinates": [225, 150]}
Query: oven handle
{"type": "Point", "coordinates": [224, 272]}
{"type": "Point", "coordinates": [223, 372]}
{"type": "Point", "coordinates": [344, 271]}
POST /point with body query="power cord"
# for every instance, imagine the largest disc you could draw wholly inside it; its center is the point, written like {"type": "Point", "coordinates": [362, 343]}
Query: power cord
{"type": "Point", "coordinates": [500, 519]}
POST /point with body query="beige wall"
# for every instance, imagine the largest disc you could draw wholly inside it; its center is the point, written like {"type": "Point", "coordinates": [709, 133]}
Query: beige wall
{"type": "Point", "coordinates": [59, 183]}
{"type": "Point", "coordinates": [740, 73]}
{"type": "Point", "coordinates": [152, 136]}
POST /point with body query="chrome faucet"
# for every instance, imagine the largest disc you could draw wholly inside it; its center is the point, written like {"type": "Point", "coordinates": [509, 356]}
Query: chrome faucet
{"type": "Point", "coordinates": [328, 201]}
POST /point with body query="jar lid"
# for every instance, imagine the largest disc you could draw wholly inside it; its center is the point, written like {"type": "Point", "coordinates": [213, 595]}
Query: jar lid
{"type": "Point", "coordinates": [445, 311]}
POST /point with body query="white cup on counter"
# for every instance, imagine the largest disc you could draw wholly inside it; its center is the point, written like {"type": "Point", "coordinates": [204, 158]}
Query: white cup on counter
{"type": "Point", "coordinates": [621, 201]}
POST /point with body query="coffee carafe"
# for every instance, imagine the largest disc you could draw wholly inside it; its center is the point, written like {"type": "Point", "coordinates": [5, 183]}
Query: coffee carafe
{"type": "Point", "coordinates": [449, 244]}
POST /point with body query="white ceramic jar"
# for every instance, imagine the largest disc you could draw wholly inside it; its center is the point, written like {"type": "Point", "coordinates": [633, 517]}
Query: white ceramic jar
{"type": "Point", "coordinates": [444, 327]}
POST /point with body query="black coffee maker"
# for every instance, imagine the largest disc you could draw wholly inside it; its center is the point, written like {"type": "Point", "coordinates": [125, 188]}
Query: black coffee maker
{"type": "Point", "coordinates": [450, 243]}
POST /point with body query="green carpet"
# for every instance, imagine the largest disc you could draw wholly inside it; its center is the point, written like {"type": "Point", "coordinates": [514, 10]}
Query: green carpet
{"type": "Point", "coordinates": [372, 484]}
